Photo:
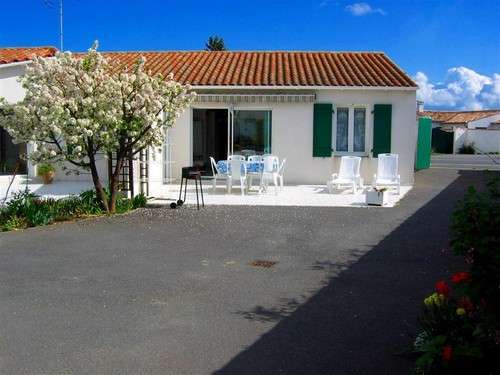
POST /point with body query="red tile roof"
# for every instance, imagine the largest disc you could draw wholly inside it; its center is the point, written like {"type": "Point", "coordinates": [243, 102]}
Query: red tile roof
{"type": "Point", "coordinates": [11, 55]}
{"type": "Point", "coordinates": [273, 69]}
{"type": "Point", "coordinates": [267, 69]}
{"type": "Point", "coordinates": [459, 117]}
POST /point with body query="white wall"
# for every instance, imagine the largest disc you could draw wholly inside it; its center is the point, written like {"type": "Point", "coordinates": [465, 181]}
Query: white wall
{"type": "Point", "coordinates": [484, 140]}
{"type": "Point", "coordinates": [292, 134]}
{"type": "Point", "coordinates": [10, 88]}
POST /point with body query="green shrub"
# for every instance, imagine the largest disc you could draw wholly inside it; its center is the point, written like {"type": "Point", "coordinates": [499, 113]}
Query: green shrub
{"type": "Point", "coordinates": [26, 209]}
{"type": "Point", "coordinates": [139, 200]}
{"type": "Point", "coordinates": [45, 168]}
{"type": "Point", "coordinates": [467, 149]}
{"type": "Point", "coordinates": [461, 324]}
{"type": "Point", "coordinates": [12, 223]}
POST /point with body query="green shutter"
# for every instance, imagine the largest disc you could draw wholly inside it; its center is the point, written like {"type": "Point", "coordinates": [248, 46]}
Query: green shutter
{"type": "Point", "coordinates": [322, 130]}
{"type": "Point", "coordinates": [382, 121]}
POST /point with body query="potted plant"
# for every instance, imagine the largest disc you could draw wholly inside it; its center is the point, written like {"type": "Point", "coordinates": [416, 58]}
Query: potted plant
{"type": "Point", "coordinates": [377, 197]}
{"type": "Point", "coordinates": [47, 172]}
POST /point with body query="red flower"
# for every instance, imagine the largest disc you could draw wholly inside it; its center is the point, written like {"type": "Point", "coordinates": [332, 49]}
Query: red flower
{"type": "Point", "coordinates": [442, 288]}
{"type": "Point", "coordinates": [460, 277]}
{"type": "Point", "coordinates": [447, 353]}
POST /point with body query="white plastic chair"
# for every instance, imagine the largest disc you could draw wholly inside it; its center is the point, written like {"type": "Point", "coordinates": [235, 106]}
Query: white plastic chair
{"type": "Point", "coordinates": [348, 174]}
{"type": "Point", "coordinates": [270, 171]}
{"type": "Point", "coordinates": [251, 175]}
{"type": "Point", "coordinates": [236, 157]}
{"type": "Point", "coordinates": [216, 173]}
{"type": "Point", "coordinates": [281, 172]}
{"type": "Point", "coordinates": [387, 172]}
{"type": "Point", "coordinates": [255, 159]}
{"type": "Point", "coordinates": [247, 153]}
{"type": "Point", "coordinates": [237, 171]}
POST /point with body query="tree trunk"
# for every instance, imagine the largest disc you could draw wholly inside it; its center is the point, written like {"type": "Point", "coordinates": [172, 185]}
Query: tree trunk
{"type": "Point", "coordinates": [113, 185]}
{"type": "Point", "coordinates": [101, 194]}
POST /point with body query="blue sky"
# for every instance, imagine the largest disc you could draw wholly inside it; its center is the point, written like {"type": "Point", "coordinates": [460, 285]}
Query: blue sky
{"type": "Point", "coordinates": [452, 48]}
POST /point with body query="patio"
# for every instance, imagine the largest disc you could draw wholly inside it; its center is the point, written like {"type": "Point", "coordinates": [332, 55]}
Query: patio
{"type": "Point", "coordinates": [291, 195]}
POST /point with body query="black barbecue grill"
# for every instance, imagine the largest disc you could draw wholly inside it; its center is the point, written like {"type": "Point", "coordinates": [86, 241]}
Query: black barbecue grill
{"type": "Point", "coordinates": [190, 173]}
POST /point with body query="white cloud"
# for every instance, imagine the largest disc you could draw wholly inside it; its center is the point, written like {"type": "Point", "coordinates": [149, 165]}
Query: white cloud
{"type": "Point", "coordinates": [463, 88]}
{"type": "Point", "coordinates": [362, 9]}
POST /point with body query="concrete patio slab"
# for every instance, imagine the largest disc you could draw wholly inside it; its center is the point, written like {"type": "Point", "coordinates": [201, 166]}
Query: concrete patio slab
{"type": "Point", "coordinates": [298, 195]}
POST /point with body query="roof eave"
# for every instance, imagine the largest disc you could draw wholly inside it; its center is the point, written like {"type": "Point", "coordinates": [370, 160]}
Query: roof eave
{"type": "Point", "coordinates": [284, 87]}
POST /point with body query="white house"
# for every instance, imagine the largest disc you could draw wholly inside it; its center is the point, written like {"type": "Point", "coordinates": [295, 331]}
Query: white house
{"type": "Point", "coordinates": [308, 107]}
{"type": "Point", "coordinates": [454, 129]}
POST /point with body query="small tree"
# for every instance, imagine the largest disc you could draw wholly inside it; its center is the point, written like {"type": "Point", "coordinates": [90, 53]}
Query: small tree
{"type": "Point", "coordinates": [78, 106]}
{"type": "Point", "coordinates": [215, 43]}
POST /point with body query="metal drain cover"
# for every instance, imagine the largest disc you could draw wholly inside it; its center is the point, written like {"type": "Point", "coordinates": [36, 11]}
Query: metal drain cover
{"type": "Point", "coordinates": [262, 263]}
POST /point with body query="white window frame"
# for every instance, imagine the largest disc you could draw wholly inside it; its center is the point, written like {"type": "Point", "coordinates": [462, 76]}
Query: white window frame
{"type": "Point", "coordinates": [350, 131]}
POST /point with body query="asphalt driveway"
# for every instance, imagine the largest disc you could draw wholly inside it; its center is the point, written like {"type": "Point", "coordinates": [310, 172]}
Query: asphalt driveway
{"type": "Point", "coordinates": [166, 291]}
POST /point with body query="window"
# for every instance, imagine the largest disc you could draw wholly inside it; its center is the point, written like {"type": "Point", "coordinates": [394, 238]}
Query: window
{"type": "Point", "coordinates": [359, 129]}
{"type": "Point", "coordinates": [342, 129]}
{"type": "Point", "coordinates": [252, 132]}
{"type": "Point", "coordinates": [350, 129]}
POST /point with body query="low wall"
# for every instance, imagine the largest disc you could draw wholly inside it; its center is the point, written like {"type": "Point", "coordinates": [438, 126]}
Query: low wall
{"type": "Point", "coordinates": [484, 140]}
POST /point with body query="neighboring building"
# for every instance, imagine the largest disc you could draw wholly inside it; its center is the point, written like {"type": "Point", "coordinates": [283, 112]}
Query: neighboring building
{"type": "Point", "coordinates": [453, 129]}
{"type": "Point", "coordinates": [308, 107]}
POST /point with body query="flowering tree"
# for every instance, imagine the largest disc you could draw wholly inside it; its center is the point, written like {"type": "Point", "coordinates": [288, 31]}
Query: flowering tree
{"type": "Point", "coordinates": [78, 106]}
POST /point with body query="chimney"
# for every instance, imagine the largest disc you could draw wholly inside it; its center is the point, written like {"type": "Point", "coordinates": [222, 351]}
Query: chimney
{"type": "Point", "coordinates": [420, 106]}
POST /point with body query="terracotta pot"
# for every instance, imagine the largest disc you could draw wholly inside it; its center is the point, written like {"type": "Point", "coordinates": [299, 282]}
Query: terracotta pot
{"type": "Point", "coordinates": [48, 177]}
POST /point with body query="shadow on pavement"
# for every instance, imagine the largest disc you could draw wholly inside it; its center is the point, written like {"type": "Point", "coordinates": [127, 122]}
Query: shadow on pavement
{"type": "Point", "coordinates": [362, 318]}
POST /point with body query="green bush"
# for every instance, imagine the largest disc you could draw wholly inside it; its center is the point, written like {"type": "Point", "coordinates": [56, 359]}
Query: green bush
{"type": "Point", "coordinates": [26, 209]}
{"type": "Point", "coordinates": [12, 223]}
{"type": "Point", "coordinates": [45, 168]}
{"type": "Point", "coordinates": [461, 324]}
{"type": "Point", "coordinates": [139, 200]}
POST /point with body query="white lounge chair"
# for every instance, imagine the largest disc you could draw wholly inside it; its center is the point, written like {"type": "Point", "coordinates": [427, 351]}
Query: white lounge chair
{"type": "Point", "coordinates": [348, 174]}
{"type": "Point", "coordinates": [387, 172]}
{"type": "Point", "coordinates": [216, 173]}
{"type": "Point", "coordinates": [270, 172]}
{"type": "Point", "coordinates": [237, 171]}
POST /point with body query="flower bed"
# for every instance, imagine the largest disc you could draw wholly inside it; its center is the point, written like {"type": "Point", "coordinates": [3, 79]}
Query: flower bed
{"type": "Point", "coordinates": [460, 322]}
{"type": "Point", "coordinates": [26, 209]}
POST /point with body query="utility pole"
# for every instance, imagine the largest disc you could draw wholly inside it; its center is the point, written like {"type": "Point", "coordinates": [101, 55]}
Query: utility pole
{"type": "Point", "coordinates": [51, 4]}
{"type": "Point", "coordinates": [61, 24]}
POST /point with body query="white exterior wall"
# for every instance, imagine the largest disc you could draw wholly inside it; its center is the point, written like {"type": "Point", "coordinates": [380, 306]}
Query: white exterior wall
{"type": "Point", "coordinates": [10, 88]}
{"type": "Point", "coordinates": [292, 135]}
{"type": "Point", "coordinates": [484, 140]}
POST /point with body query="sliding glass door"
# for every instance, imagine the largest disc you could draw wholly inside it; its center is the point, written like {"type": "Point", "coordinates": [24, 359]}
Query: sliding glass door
{"type": "Point", "coordinates": [221, 132]}
{"type": "Point", "coordinates": [251, 132]}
